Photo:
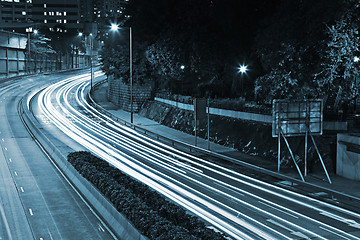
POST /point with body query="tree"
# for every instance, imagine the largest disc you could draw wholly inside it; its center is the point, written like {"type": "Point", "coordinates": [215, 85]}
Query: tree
{"type": "Point", "coordinates": [208, 37]}
{"type": "Point", "coordinates": [340, 69]}
{"type": "Point", "coordinates": [290, 46]}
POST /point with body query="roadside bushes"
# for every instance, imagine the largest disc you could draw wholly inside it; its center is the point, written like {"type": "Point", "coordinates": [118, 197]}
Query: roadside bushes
{"type": "Point", "coordinates": [150, 212]}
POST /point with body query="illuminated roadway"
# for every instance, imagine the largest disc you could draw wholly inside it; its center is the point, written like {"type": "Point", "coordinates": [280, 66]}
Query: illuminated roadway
{"type": "Point", "coordinates": [36, 202]}
{"type": "Point", "coordinates": [241, 206]}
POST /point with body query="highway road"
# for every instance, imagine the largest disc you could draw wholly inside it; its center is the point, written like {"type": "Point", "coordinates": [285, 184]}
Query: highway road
{"type": "Point", "coordinates": [36, 202]}
{"type": "Point", "coordinates": [232, 202]}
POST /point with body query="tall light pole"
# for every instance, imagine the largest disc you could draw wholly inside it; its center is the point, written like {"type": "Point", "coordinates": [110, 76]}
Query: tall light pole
{"type": "Point", "coordinates": [242, 69]}
{"type": "Point", "coordinates": [91, 41]}
{"type": "Point", "coordinates": [91, 61]}
{"type": "Point", "coordinates": [29, 30]}
{"type": "Point", "coordinates": [115, 27]}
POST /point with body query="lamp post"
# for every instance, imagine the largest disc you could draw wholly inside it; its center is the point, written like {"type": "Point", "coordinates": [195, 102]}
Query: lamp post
{"type": "Point", "coordinates": [91, 40]}
{"type": "Point", "coordinates": [115, 27]}
{"type": "Point", "coordinates": [356, 60]}
{"type": "Point", "coordinates": [29, 30]}
{"type": "Point", "coordinates": [242, 69]}
{"type": "Point", "coordinates": [91, 61]}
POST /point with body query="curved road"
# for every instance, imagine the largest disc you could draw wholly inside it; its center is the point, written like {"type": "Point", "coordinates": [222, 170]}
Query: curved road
{"type": "Point", "coordinates": [36, 202]}
{"type": "Point", "coordinates": [232, 202]}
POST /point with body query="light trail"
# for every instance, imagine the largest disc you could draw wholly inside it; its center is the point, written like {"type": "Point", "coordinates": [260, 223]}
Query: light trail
{"type": "Point", "coordinates": [188, 180]}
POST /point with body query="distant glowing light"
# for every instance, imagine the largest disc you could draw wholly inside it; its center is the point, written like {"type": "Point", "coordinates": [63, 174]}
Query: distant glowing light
{"type": "Point", "coordinates": [114, 27]}
{"type": "Point", "coordinates": [356, 59]}
{"type": "Point", "coordinates": [80, 34]}
{"type": "Point", "coordinates": [36, 31]}
{"type": "Point", "coordinates": [242, 68]}
{"type": "Point", "coordinates": [182, 67]}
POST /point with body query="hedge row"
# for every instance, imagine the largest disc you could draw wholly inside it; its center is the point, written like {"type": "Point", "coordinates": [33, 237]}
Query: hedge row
{"type": "Point", "coordinates": [153, 215]}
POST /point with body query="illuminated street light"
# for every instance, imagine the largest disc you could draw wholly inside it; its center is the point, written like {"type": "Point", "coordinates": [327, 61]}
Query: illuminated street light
{"type": "Point", "coordinates": [356, 59]}
{"type": "Point", "coordinates": [115, 28]}
{"type": "Point", "coordinates": [242, 68]}
{"type": "Point", "coordinates": [182, 67]}
{"type": "Point", "coordinates": [36, 31]}
{"type": "Point", "coordinates": [80, 34]}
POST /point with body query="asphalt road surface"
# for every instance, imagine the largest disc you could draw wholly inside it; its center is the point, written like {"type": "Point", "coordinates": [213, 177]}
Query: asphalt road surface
{"type": "Point", "coordinates": [36, 202]}
{"type": "Point", "coordinates": [232, 202]}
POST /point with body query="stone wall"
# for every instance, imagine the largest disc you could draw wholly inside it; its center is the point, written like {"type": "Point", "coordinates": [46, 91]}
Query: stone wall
{"type": "Point", "coordinates": [119, 94]}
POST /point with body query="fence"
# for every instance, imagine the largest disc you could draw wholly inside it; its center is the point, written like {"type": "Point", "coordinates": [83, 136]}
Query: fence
{"type": "Point", "coordinates": [119, 94]}
{"type": "Point", "coordinates": [14, 62]}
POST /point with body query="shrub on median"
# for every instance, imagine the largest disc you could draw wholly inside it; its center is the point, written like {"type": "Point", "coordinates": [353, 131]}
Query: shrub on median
{"type": "Point", "coordinates": [150, 212]}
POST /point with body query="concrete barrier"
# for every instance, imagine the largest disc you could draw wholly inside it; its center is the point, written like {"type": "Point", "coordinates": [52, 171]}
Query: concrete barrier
{"type": "Point", "coordinates": [121, 227]}
{"type": "Point", "coordinates": [348, 156]}
{"type": "Point", "coordinates": [263, 118]}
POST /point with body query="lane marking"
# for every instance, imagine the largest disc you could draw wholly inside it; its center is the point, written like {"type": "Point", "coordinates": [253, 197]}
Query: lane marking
{"type": "Point", "coordinates": [349, 222]}
{"type": "Point", "coordinates": [31, 212]}
{"type": "Point", "coordinates": [10, 160]}
{"type": "Point", "coordinates": [299, 234]}
{"type": "Point", "coordinates": [334, 232]}
{"type": "Point", "coordinates": [229, 189]}
{"type": "Point", "coordinates": [5, 148]}
{"type": "Point", "coordinates": [22, 189]}
{"type": "Point", "coordinates": [15, 173]}
{"type": "Point", "coordinates": [3, 140]}
{"type": "Point", "coordinates": [278, 209]}
{"type": "Point", "coordinates": [100, 228]}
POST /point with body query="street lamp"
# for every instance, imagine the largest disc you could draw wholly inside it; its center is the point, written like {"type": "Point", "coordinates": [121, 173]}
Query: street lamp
{"type": "Point", "coordinates": [114, 28]}
{"type": "Point", "coordinates": [242, 69]}
{"type": "Point", "coordinates": [91, 40]}
{"type": "Point", "coordinates": [91, 61]}
{"type": "Point", "coordinates": [29, 30]}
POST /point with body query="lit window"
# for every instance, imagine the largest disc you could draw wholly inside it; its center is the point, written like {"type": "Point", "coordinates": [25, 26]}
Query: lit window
{"type": "Point", "coordinates": [23, 13]}
{"type": "Point", "coordinates": [64, 13]}
{"type": "Point", "coordinates": [45, 21]}
{"type": "Point", "coordinates": [44, 5]}
{"type": "Point", "coordinates": [64, 20]}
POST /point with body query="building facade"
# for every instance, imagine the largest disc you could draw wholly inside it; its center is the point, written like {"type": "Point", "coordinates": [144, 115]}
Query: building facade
{"type": "Point", "coordinates": [17, 14]}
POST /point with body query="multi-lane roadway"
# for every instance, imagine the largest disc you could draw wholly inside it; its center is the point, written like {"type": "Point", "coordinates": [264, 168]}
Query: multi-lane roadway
{"type": "Point", "coordinates": [232, 202]}
{"type": "Point", "coordinates": [36, 202]}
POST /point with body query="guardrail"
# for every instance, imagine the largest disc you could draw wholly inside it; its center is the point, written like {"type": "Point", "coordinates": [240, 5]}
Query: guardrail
{"type": "Point", "coordinates": [192, 148]}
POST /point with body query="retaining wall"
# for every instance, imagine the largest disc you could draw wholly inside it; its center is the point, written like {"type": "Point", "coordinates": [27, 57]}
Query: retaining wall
{"type": "Point", "coordinates": [348, 156]}
{"type": "Point", "coordinates": [14, 62]}
{"type": "Point", "coordinates": [263, 118]}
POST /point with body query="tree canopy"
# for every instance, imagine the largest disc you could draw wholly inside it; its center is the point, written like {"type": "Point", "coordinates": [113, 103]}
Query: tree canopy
{"type": "Point", "coordinates": [294, 49]}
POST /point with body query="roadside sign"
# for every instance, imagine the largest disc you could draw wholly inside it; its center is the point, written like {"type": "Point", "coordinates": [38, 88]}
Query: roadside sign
{"type": "Point", "coordinates": [296, 117]}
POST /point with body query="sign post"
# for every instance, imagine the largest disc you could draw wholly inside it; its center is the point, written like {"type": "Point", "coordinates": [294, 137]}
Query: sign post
{"type": "Point", "coordinates": [199, 114]}
{"type": "Point", "coordinates": [298, 118]}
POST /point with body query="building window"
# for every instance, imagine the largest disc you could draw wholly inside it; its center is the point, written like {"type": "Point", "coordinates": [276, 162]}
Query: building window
{"type": "Point", "coordinates": [64, 20]}
{"type": "Point", "coordinates": [44, 5]}
{"type": "Point", "coordinates": [45, 21]}
{"type": "Point", "coordinates": [23, 13]}
{"type": "Point", "coordinates": [64, 13]}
